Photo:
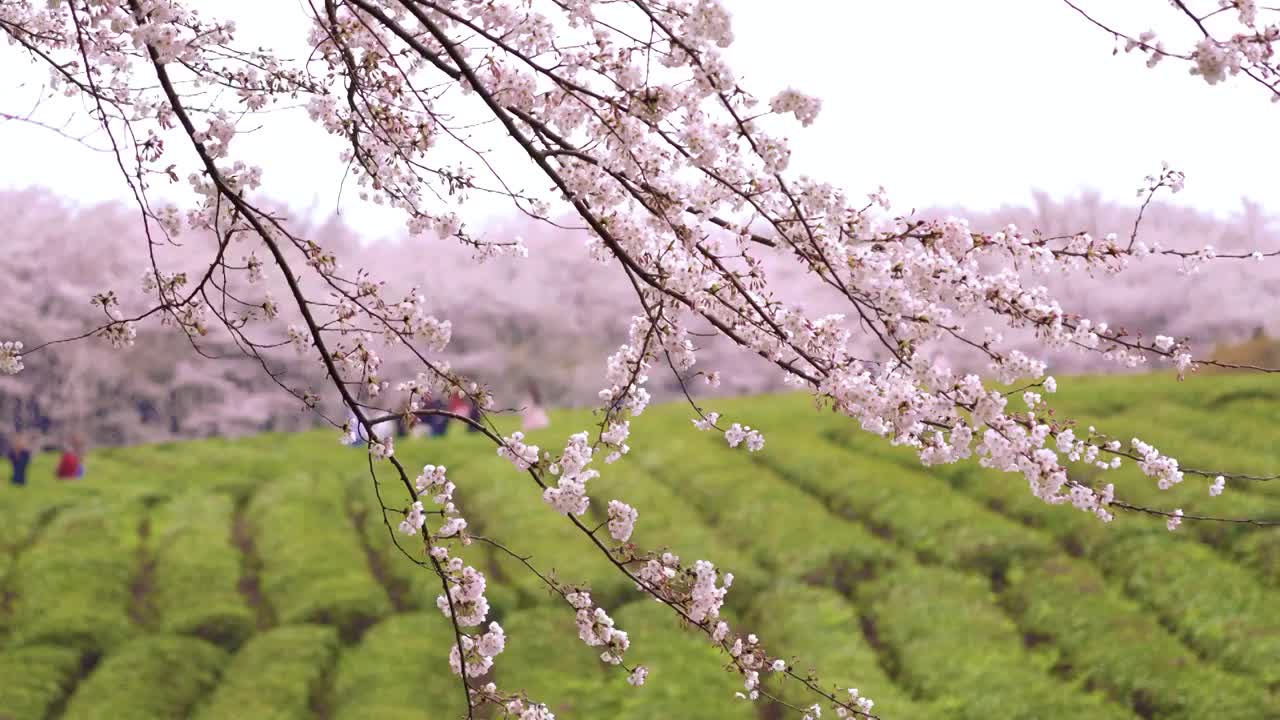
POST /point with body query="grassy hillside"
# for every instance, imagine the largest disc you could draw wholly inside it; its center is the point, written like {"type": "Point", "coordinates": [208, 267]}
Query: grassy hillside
{"type": "Point", "coordinates": [254, 578]}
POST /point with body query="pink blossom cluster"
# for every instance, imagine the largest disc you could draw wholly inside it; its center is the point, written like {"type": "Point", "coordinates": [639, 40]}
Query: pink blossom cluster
{"type": "Point", "coordinates": [519, 453]}
{"type": "Point", "coordinates": [465, 602]}
{"type": "Point", "coordinates": [569, 496]}
{"type": "Point", "coordinates": [596, 629]}
{"type": "Point", "coordinates": [622, 520]}
{"type": "Point", "coordinates": [11, 357]}
{"type": "Point", "coordinates": [738, 434]}
{"type": "Point", "coordinates": [1237, 37]}
{"type": "Point", "coordinates": [478, 651]}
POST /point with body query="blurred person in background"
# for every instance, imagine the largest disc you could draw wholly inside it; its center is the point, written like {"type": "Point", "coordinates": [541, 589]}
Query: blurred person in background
{"type": "Point", "coordinates": [356, 436]}
{"type": "Point", "coordinates": [437, 425]}
{"type": "Point", "coordinates": [533, 416]}
{"type": "Point", "coordinates": [19, 456]}
{"type": "Point", "coordinates": [82, 453]}
{"type": "Point", "coordinates": [458, 404]}
{"type": "Point", "coordinates": [463, 406]}
{"type": "Point", "coordinates": [71, 464]}
{"type": "Point", "coordinates": [406, 421]}
{"type": "Point", "coordinates": [475, 416]}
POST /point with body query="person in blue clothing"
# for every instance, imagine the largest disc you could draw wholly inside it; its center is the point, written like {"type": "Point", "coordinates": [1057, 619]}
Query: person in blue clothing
{"type": "Point", "coordinates": [437, 425]}
{"type": "Point", "coordinates": [19, 456]}
{"type": "Point", "coordinates": [358, 437]}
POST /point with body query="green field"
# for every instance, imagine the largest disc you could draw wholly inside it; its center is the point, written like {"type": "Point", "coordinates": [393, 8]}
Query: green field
{"type": "Point", "coordinates": [255, 578]}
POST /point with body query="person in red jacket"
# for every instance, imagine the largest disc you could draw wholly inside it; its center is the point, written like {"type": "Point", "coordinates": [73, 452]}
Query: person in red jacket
{"type": "Point", "coordinates": [70, 466]}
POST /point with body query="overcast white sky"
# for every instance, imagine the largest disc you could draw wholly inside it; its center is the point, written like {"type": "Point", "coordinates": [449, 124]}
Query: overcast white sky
{"type": "Point", "coordinates": [943, 102]}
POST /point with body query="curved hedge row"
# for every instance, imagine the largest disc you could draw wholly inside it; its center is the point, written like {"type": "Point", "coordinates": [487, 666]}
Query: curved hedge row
{"type": "Point", "coordinates": [408, 583]}
{"type": "Point", "coordinates": [36, 679]}
{"type": "Point", "coordinates": [783, 527]}
{"type": "Point", "coordinates": [197, 571]}
{"type": "Point", "coordinates": [1260, 552]}
{"type": "Point", "coordinates": [399, 669]}
{"type": "Point", "coordinates": [578, 684]}
{"type": "Point", "coordinates": [157, 676]}
{"type": "Point", "coordinates": [1238, 445]}
{"type": "Point", "coordinates": [74, 586]}
{"type": "Point", "coordinates": [949, 642]}
{"type": "Point", "coordinates": [26, 514]}
{"type": "Point", "coordinates": [921, 512]}
{"type": "Point", "coordinates": [507, 504]}
{"type": "Point", "coordinates": [824, 628]}
{"type": "Point", "coordinates": [314, 569]}
{"type": "Point", "coordinates": [1121, 648]}
{"type": "Point", "coordinates": [687, 676]}
{"type": "Point", "coordinates": [26, 510]}
{"type": "Point", "coordinates": [275, 676]}
{"type": "Point", "coordinates": [1215, 607]}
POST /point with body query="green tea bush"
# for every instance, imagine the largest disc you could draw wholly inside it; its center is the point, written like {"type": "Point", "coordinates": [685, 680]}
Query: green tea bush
{"type": "Point", "coordinates": [1123, 649]}
{"type": "Point", "coordinates": [157, 676]}
{"type": "Point", "coordinates": [687, 678]}
{"type": "Point", "coordinates": [950, 642]}
{"type": "Point", "coordinates": [1215, 606]}
{"type": "Point", "coordinates": [783, 527]}
{"type": "Point", "coordinates": [74, 586]}
{"type": "Point", "coordinates": [275, 676]}
{"type": "Point", "coordinates": [35, 679]}
{"type": "Point", "coordinates": [1260, 552]}
{"type": "Point", "coordinates": [197, 570]}
{"type": "Point", "coordinates": [399, 669]}
{"type": "Point", "coordinates": [822, 628]}
{"type": "Point", "coordinates": [918, 511]}
{"type": "Point", "coordinates": [578, 683]}
{"type": "Point", "coordinates": [509, 507]}
{"type": "Point", "coordinates": [314, 569]}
